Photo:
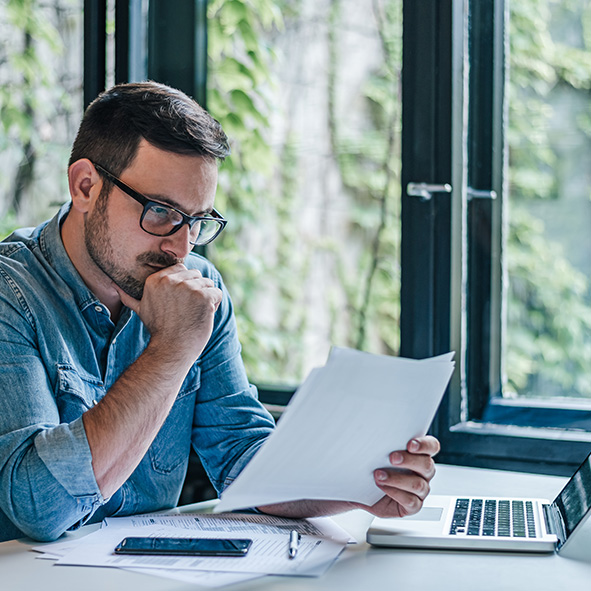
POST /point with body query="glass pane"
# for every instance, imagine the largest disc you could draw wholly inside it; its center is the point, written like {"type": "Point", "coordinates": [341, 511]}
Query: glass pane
{"type": "Point", "coordinates": [309, 93]}
{"type": "Point", "coordinates": [40, 106]}
{"type": "Point", "coordinates": [548, 336]}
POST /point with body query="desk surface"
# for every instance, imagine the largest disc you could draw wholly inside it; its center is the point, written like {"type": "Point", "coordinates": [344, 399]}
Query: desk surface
{"type": "Point", "coordinates": [359, 566]}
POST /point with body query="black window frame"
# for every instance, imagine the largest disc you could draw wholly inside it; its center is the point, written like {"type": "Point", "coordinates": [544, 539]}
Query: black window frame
{"type": "Point", "coordinates": [149, 37]}
{"type": "Point", "coordinates": [452, 284]}
{"type": "Point", "coordinates": [451, 252]}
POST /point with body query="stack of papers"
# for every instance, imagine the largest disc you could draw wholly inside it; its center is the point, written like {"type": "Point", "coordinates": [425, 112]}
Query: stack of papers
{"type": "Point", "coordinates": [321, 543]}
{"type": "Point", "coordinates": [340, 426]}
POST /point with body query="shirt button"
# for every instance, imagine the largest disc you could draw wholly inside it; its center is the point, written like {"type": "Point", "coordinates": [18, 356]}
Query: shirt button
{"type": "Point", "coordinates": [114, 341]}
{"type": "Point", "coordinates": [98, 308]}
{"type": "Point", "coordinates": [95, 402]}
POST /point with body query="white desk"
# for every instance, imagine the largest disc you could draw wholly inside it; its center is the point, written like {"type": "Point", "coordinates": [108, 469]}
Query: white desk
{"type": "Point", "coordinates": [360, 567]}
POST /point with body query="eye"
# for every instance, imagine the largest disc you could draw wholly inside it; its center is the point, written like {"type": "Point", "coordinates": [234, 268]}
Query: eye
{"type": "Point", "coordinates": [161, 218]}
{"type": "Point", "coordinates": [159, 211]}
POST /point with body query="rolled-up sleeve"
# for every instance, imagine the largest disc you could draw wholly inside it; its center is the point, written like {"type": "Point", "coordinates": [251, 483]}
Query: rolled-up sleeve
{"type": "Point", "coordinates": [47, 484]}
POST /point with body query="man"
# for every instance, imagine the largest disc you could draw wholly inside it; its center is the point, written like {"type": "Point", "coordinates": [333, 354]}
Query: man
{"type": "Point", "coordinates": [118, 346]}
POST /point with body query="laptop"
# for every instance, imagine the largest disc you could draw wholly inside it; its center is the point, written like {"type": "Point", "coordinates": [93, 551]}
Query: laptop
{"type": "Point", "coordinates": [492, 523]}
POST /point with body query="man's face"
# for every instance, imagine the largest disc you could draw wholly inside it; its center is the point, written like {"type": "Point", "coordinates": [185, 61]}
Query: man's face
{"type": "Point", "coordinates": [113, 237]}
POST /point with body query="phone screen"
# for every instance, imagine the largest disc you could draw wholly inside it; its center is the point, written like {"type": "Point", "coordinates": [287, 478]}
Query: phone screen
{"type": "Point", "coordinates": [184, 546]}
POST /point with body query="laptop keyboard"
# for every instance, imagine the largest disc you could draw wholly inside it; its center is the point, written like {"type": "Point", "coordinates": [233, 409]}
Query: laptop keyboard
{"type": "Point", "coordinates": [492, 517]}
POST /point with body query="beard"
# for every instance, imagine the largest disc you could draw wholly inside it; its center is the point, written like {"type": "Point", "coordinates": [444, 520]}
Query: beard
{"type": "Point", "coordinates": [101, 251]}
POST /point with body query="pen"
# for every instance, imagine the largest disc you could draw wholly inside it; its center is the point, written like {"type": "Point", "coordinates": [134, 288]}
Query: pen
{"type": "Point", "coordinates": [294, 543]}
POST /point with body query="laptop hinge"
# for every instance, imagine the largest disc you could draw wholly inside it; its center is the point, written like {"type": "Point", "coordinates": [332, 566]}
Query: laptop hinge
{"type": "Point", "coordinates": [554, 523]}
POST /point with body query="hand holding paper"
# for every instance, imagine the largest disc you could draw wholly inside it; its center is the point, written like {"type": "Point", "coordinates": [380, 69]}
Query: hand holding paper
{"type": "Point", "coordinates": [340, 426]}
{"type": "Point", "coordinates": [406, 484]}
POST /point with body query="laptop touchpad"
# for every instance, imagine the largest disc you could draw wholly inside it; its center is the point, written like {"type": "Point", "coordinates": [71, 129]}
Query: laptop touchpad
{"type": "Point", "coordinates": [426, 514]}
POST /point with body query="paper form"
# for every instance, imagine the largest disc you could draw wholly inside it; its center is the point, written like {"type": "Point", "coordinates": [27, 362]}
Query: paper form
{"type": "Point", "coordinates": [322, 541]}
{"type": "Point", "coordinates": [234, 523]}
{"type": "Point", "coordinates": [55, 550]}
{"type": "Point", "coordinates": [340, 426]}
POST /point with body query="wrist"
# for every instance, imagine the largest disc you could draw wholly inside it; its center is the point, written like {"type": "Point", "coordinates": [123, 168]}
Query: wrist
{"type": "Point", "coordinates": [175, 358]}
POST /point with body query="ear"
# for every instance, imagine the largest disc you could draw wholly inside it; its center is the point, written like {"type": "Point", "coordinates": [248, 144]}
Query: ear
{"type": "Point", "coordinates": [85, 184]}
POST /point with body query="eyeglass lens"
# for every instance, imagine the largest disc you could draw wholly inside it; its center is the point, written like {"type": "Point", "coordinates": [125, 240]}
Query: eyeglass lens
{"type": "Point", "coordinates": [161, 221]}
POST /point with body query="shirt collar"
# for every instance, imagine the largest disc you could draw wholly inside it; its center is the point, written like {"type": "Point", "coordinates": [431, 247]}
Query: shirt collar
{"type": "Point", "coordinates": [52, 247]}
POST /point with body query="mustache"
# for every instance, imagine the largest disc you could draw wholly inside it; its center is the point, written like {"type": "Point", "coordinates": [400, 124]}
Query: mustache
{"type": "Point", "coordinates": [158, 259]}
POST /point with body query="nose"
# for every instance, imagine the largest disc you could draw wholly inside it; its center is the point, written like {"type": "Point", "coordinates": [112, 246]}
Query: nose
{"type": "Point", "coordinates": [178, 244]}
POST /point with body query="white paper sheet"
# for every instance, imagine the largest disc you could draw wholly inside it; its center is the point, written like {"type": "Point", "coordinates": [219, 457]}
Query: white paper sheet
{"type": "Point", "coordinates": [56, 550]}
{"type": "Point", "coordinates": [340, 426]}
{"type": "Point", "coordinates": [322, 541]}
{"type": "Point", "coordinates": [234, 524]}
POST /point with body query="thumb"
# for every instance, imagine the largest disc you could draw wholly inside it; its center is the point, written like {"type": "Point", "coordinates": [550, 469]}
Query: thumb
{"type": "Point", "coordinates": [127, 300]}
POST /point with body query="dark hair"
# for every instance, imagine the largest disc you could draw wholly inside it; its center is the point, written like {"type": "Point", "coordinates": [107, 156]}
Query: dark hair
{"type": "Point", "coordinates": [116, 121]}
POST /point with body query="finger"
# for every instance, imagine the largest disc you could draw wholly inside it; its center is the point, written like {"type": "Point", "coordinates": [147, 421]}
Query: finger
{"type": "Point", "coordinates": [185, 280]}
{"type": "Point", "coordinates": [409, 482]}
{"type": "Point", "coordinates": [397, 503]}
{"type": "Point", "coordinates": [200, 282]}
{"type": "Point", "coordinates": [127, 300]}
{"type": "Point", "coordinates": [178, 275]}
{"type": "Point", "coordinates": [400, 506]}
{"type": "Point", "coordinates": [166, 279]}
{"type": "Point", "coordinates": [419, 463]}
{"type": "Point", "coordinates": [213, 294]}
{"type": "Point", "coordinates": [176, 268]}
{"type": "Point", "coordinates": [424, 445]}
{"type": "Point", "coordinates": [206, 287]}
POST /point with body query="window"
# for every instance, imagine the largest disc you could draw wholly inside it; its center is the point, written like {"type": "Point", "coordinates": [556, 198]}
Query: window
{"type": "Point", "coordinates": [407, 178]}
{"type": "Point", "coordinates": [310, 97]}
{"type": "Point", "coordinates": [519, 396]}
{"type": "Point", "coordinates": [476, 173]}
{"type": "Point", "coordinates": [548, 336]}
{"type": "Point", "coordinates": [40, 106]}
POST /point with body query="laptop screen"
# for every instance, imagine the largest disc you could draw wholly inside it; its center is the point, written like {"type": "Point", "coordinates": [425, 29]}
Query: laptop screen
{"type": "Point", "coordinates": [574, 500]}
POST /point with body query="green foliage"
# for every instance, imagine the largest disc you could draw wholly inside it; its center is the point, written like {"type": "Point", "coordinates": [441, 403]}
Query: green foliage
{"type": "Point", "coordinates": [549, 315]}
{"type": "Point", "coordinates": [548, 349]}
{"type": "Point", "coordinates": [363, 306]}
{"type": "Point", "coordinates": [532, 79]}
{"type": "Point", "coordinates": [370, 170]}
{"type": "Point", "coordinates": [29, 95]}
{"type": "Point", "coordinates": [547, 343]}
{"type": "Point", "coordinates": [239, 78]}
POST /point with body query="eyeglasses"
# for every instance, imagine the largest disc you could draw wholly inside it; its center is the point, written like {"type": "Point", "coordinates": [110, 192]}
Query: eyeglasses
{"type": "Point", "coordinates": [160, 219]}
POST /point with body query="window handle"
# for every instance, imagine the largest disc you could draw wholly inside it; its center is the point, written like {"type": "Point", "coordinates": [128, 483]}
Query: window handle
{"type": "Point", "coordinates": [480, 194]}
{"type": "Point", "coordinates": [426, 190]}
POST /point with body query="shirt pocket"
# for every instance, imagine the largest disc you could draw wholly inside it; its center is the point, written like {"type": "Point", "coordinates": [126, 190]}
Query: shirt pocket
{"type": "Point", "coordinates": [170, 449]}
{"type": "Point", "coordinates": [76, 392]}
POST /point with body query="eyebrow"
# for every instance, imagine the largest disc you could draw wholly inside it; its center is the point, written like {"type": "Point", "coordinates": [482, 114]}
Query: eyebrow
{"type": "Point", "coordinates": [168, 201]}
{"type": "Point", "coordinates": [154, 196]}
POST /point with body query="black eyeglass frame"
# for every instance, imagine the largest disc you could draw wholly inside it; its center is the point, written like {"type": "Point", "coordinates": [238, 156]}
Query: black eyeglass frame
{"type": "Point", "coordinates": [146, 202]}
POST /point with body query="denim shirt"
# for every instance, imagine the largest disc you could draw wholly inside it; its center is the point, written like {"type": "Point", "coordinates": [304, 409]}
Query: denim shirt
{"type": "Point", "coordinates": [59, 355]}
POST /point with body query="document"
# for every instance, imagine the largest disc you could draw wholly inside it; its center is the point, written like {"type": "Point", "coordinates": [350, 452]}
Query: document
{"type": "Point", "coordinates": [321, 543]}
{"type": "Point", "coordinates": [234, 523]}
{"type": "Point", "coordinates": [56, 550]}
{"type": "Point", "coordinates": [340, 426]}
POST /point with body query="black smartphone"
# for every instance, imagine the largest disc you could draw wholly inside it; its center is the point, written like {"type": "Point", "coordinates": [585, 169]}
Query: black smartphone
{"type": "Point", "coordinates": [184, 546]}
